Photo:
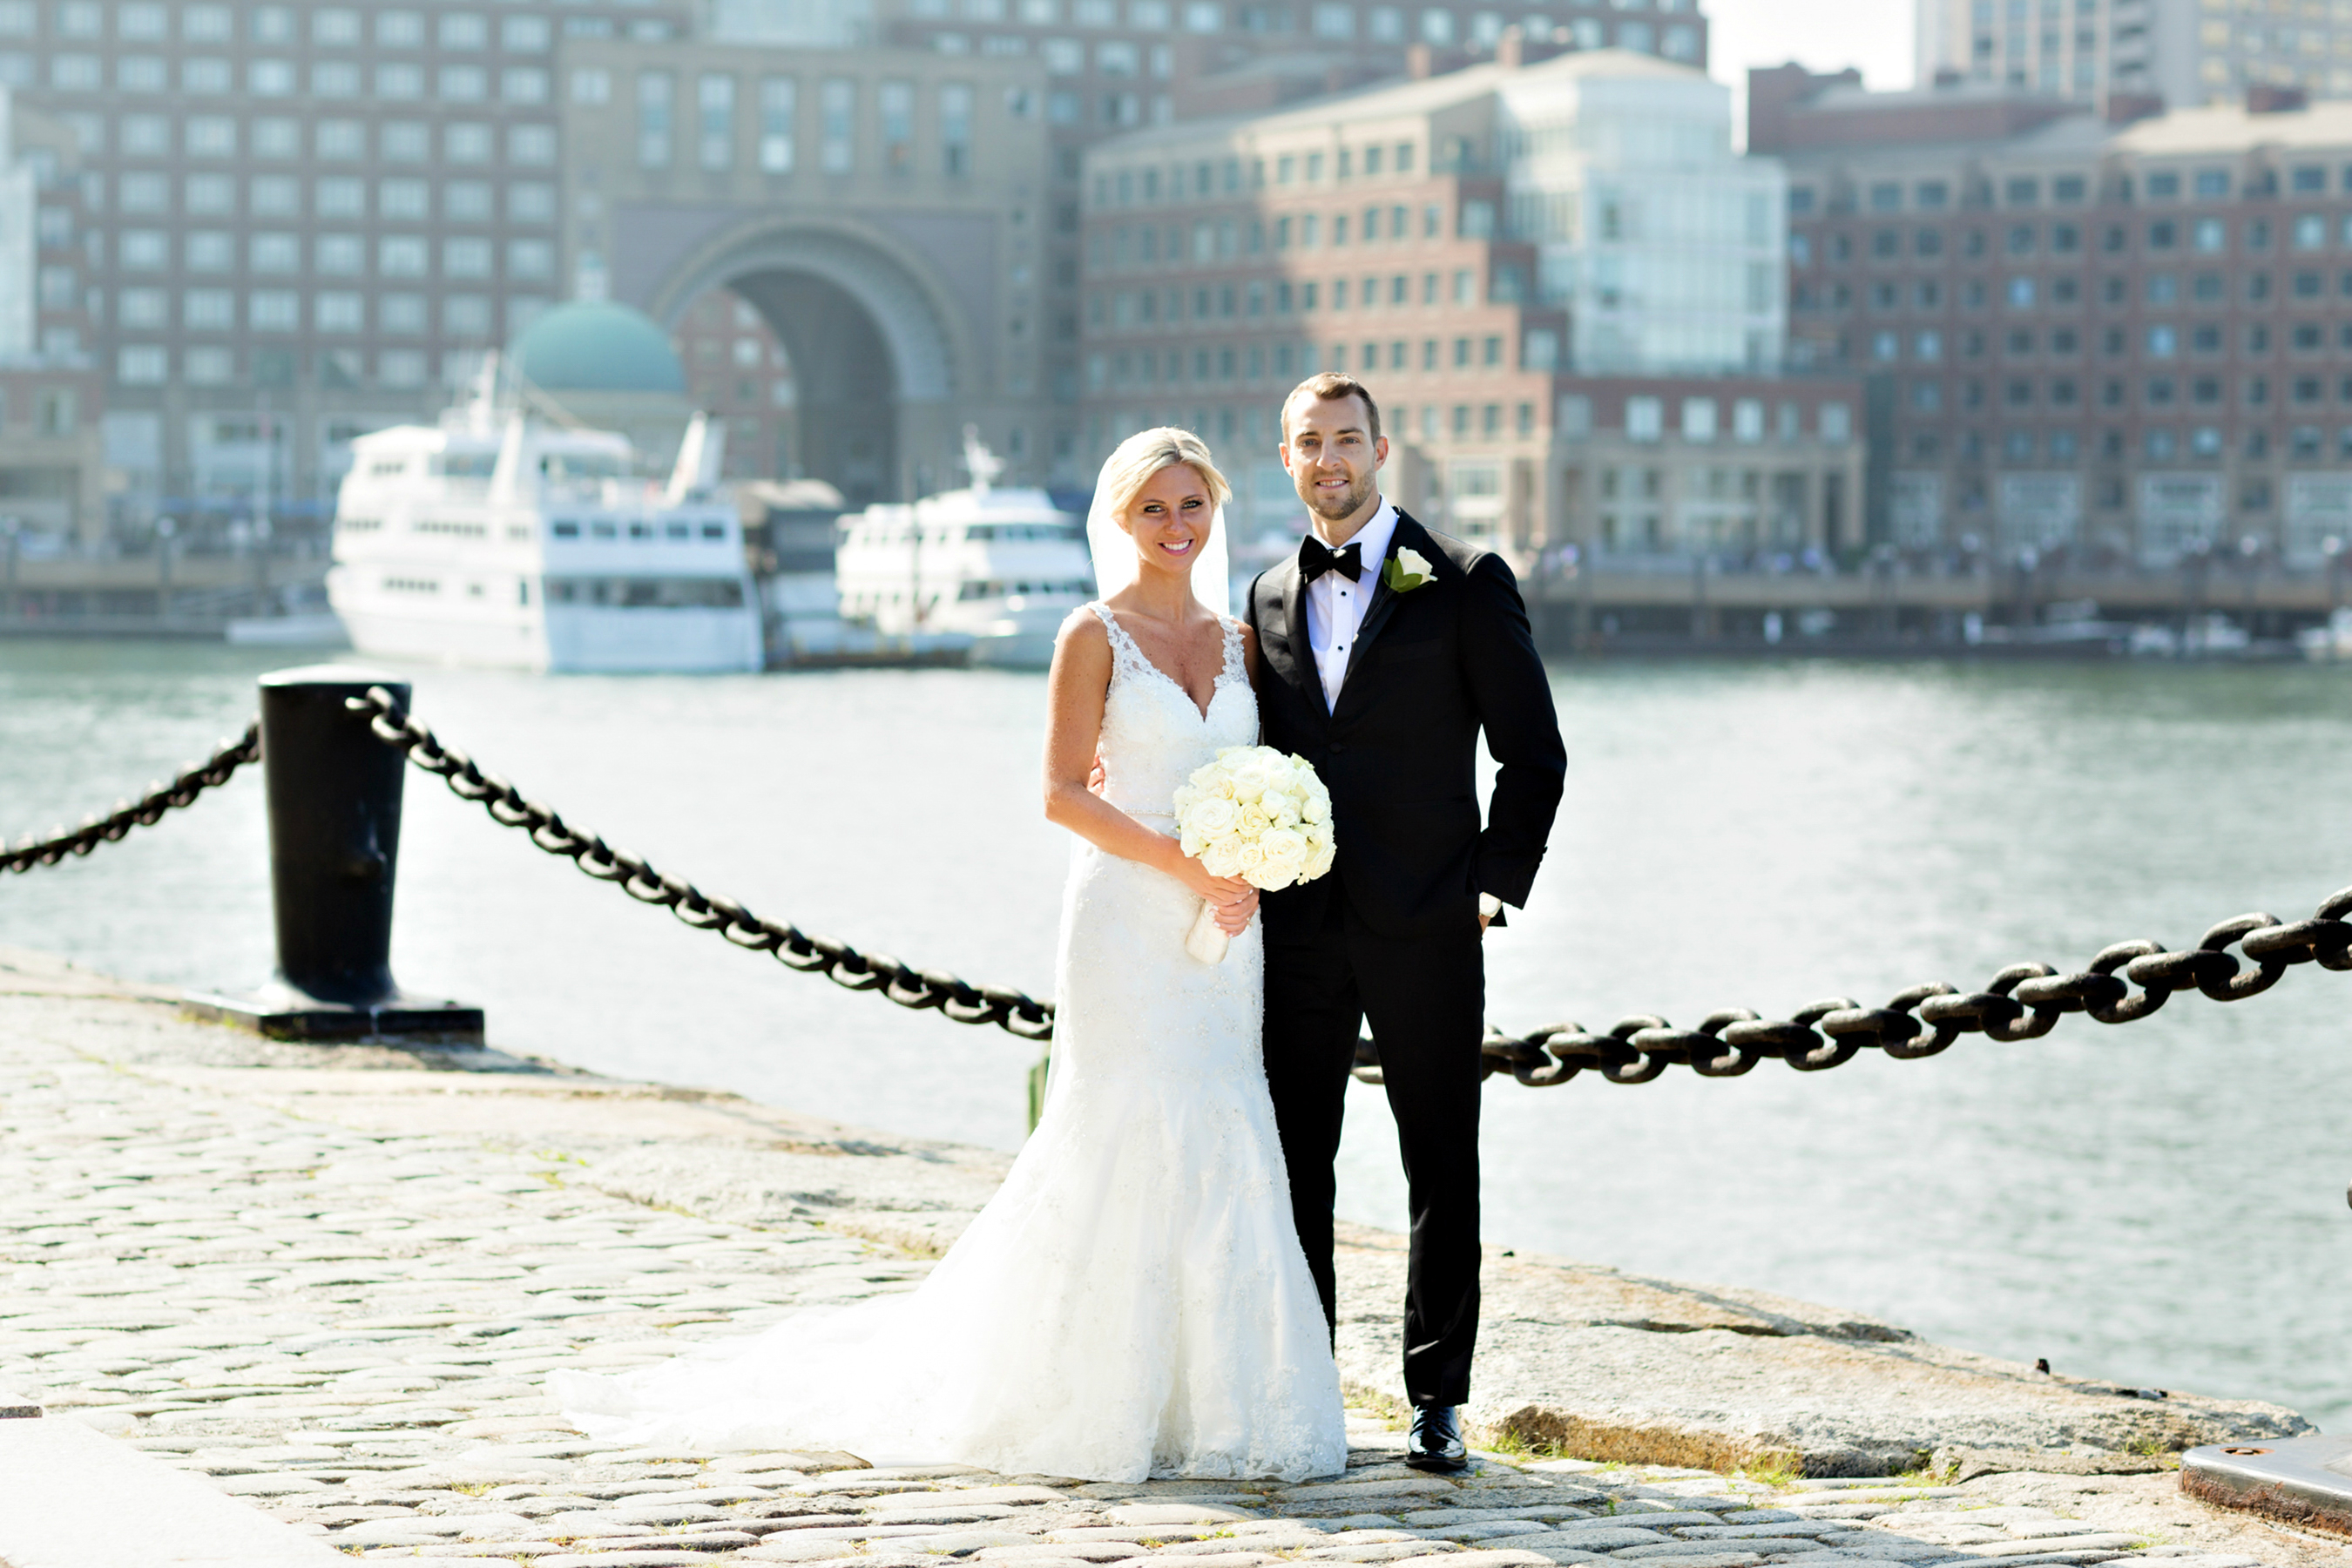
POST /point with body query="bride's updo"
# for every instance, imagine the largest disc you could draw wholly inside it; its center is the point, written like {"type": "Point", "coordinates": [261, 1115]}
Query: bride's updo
{"type": "Point", "coordinates": [1144, 454]}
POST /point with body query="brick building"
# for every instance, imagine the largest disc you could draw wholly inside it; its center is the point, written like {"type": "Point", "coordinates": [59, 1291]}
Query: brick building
{"type": "Point", "coordinates": [2116, 341]}
{"type": "Point", "coordinates": [1559, 281]}
{"type": "Point", "coordinates": [2182, 51]}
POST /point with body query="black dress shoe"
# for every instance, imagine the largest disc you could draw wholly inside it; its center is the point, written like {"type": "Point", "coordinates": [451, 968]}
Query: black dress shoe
{"type": "Point", "coordinates": [1436, 1441]}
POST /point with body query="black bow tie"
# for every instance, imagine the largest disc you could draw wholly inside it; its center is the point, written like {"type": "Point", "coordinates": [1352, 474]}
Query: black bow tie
{"type": "Point", "coordinates": [1315, 558]}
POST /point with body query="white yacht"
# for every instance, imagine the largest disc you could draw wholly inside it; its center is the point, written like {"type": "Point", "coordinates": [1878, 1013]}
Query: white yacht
{"type": "Point", "coordinates": [1001, 567]}
{"type": "Point", "coordinates": [501, 538]}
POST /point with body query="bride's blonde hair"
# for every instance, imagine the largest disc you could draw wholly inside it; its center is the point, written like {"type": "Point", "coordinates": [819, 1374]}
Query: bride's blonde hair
{"type": "Point", "coordinates": [1144, 454]}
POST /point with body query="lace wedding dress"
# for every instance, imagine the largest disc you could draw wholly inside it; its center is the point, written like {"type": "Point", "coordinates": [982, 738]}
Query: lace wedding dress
{"type": "Point", "coordinates": [1133, 1302]}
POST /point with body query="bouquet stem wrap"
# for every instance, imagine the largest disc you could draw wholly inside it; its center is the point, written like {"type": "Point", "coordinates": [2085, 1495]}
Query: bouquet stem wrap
{"type": "Point", "coordinates": [1206, 942]}
{"type": "Point", "coordinates": [1256, 814]}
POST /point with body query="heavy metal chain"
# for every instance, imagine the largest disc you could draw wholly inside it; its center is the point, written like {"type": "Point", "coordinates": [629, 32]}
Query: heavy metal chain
{"type": "Point", "coordinates": [2023, 1002]}
{"type": "Point", "coordinates": [1013, 1011]}
{"type": "Point", "coordinates": [2127, 981]}
{"type": "Point", "coordinates": [144, 812]}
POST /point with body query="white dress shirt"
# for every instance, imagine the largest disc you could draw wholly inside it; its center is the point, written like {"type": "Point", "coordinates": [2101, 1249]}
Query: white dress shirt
{"type": "Point", "coordinates": [1335, 607]}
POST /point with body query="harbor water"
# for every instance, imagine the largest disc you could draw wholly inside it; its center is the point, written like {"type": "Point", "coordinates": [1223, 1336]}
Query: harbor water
{"type": "Point", "coordinates": [2161, 1203]}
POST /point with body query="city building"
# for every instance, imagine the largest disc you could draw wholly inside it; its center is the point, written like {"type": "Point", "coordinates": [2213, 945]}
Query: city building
{"type": "Point", "coordinates": [736, 368]}
{"type": "Point", "coordinates": [2120, 342]}
{"type": "Point", "coordinates": [2185, 52]}
{"type": "Point", "coordinates": [308, 220]}
{"type": "Point", "coordinates": [1564, 285]}
{"type": "Point", "coordinates": [883, 210]}
{"type": "Point", "coordinates": [52, 473]}
{"type": "Point", "coordinates": [302, 221]}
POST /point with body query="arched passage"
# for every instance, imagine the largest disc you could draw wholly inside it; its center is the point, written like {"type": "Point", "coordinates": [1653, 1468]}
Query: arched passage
{"type": "Point", "coordinates": [877, 353]}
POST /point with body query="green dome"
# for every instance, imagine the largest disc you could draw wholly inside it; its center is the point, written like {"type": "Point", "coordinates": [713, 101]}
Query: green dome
{"type": "Point", "coordinates": [597, 346]}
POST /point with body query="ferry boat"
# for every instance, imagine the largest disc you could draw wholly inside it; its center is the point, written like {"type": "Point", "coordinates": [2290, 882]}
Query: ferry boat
{"type": "Point", "coordinates": [500, 538]}
{"type": "Point", "coordinates": [1003, 567]}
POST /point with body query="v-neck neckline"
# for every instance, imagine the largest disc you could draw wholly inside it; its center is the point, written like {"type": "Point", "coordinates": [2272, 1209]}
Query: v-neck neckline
{"type": "Point", "coordinates": [1224, 658]}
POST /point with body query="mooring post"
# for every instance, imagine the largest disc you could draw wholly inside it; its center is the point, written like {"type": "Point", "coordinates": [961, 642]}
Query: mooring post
{"type": "Point", "coordinates": [334, 794]}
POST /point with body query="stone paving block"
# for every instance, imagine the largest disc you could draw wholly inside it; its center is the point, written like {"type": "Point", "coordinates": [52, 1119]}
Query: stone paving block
{"type": "Point", "coordinates": [1596, 1538]}
{"type": "Point", "coordinates": [1509, 1559]}
{"type": "Point", "coordinates": [622, 1560]}
{"type": "Point", "coordinates": [1054, 1551]}
{"type": "Point", "coordinates": [964, 1543]}
{"type": "Point", "coordinates": [1698, 1560]}
{"type": "Point", "coordinates": [1374, 1552]}
{"type": "Point", "coordinates": [1173, 1513]}
{"type": "Point", "coordinates": [2084, 1543]}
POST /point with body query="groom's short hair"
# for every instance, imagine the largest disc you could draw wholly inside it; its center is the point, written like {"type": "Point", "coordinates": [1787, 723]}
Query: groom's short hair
{"type": "Point", "coordinates": [1329, 386]}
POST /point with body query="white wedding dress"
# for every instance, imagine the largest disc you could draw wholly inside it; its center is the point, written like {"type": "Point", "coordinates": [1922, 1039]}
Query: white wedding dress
{"type": "Point", "coordinates": [1133, 1302]}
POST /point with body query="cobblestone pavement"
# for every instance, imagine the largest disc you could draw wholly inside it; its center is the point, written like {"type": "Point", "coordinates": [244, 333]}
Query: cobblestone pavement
{"type": "Point", "coordinates": [350, 1330]}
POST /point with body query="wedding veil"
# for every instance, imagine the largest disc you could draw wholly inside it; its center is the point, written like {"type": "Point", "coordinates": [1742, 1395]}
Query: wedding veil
{"type": "Point", "coordinates": [1117, 567]}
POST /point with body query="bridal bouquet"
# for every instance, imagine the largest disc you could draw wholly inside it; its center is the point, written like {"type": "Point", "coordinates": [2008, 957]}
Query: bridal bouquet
{"type": "Point", "coordinates": [1258, 815]}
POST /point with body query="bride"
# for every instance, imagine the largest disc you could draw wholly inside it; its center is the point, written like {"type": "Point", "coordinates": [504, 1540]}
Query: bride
{"type": "Point", "coordinates": [1133, 1302]}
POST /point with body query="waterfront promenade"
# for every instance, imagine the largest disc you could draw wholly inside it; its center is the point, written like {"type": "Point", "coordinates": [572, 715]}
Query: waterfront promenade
{"type": "Point", "coordinates": [330, 1283]}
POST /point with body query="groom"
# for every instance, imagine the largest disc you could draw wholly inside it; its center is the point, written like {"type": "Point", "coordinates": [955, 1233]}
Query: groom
{"type": "Point", "coordinates": [1385, 649]}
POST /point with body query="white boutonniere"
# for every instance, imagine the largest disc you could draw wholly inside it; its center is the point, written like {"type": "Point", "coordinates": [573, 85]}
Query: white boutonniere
{"type": "Point", "coordinates": [1405, 571]}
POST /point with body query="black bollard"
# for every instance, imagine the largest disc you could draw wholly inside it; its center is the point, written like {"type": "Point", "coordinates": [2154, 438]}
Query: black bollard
{"type": "Point", "coordinates": [334, 848]}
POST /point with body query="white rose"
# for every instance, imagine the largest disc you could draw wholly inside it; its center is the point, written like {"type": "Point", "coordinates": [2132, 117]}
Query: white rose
{"type": "Point", "coordinates": [1247, 858]}
{"type": "Point", "coordinates": [1253, 822]}
{"type": "Point", "coordinates": [1249, 782]}
{"type": "Point", "coordinates": [1319, 861]}
{"type": "Point", "coordinates": [1211, 816]}
{"type": "Point", "coordinates": [1222, 857]}
{"type": "Point", "coordinates": [1413, 564]}
{"type": "Point", "coordinates": [1282, 810]}
{"type": "Point", "coordinates": [1284, 846]}
{"type": "Point", "coordinates": [1185, 795]}
{"type": "Point", "coordinates": [1317, 809]}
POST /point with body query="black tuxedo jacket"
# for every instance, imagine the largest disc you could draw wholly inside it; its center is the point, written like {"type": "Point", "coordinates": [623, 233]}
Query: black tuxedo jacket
{"type": "Point", "coordinates": [1431, 666]}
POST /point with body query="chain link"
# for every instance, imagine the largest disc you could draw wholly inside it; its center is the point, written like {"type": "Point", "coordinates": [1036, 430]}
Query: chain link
{"type": "Point", "coordinates": [2125, 982]}
{"type": "Point", "coordinates": [1015, 1012]}
{"type": "Point", "coordinates": [144, 812]}
{"type": "Point", "coordinates": [2023, 1002]}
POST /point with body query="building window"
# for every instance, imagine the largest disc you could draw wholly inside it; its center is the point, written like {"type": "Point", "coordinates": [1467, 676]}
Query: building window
{"type": "Point", "coordinates": [1645, 418]}
{"type": "Point", "coordinates": [340, 197]}
{"type": "Point", "coordinates": [522, 84]}
{"type": "Point", "coordinates": [400, 256]}
{"type": "Point", "coordinates": [532, 259]}
{"type": "Point", "coordinates": [465, 258]}
{"type": "Point", "coordinates": [837, 119]}
{"type": "Point", "coordinates": [212, 136]}
{"type": "Point", "coordinates": [338, 313]}
{"type": "Point", "coordinates": [402, 314]}
{"type": "Point", "coordinates": [274, 311]}
{"type": "Point", "coordinates": [141, 365]}
{"type": "Point", "coordinates": [592, 86]}
{"type": "Point", "coordinates": [779, 98]}
{"type": "Point", "coordinates": [955, 129]}
{"type": "Point", "coordinates": [341, 255]}
{"type": "Point", "coordinates": [276, 253]}
{"type": "Point", "coordinates": [714, 98]}
{"type": "Point", "coordinates": [531, 145]}
{"type": "Point", "coordinates": [340, 139]}
{"type": "Point", "coordinates": [894, 104]}
{"type": "Point", "coordinates": [655, 91]}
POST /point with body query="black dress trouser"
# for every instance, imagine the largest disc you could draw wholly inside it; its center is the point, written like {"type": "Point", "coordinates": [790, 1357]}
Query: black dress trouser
{"type": "Point", "coordinates": [1425, 998]}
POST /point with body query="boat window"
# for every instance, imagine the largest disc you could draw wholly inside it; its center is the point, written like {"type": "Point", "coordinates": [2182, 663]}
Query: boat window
{"type": "Point", "coordinates": [600, 531]}
{"type": "Point", "coordinates": [714, 531]}
{"type": "Point", "coordinates": [381, 468]}
{"type": "Point", "coordinates": [566, 530]}
{"type": "Point", "coordinates": [464, 465]}
{"type": "Point", "coordinates": [580, 466]}
{"type": "Point", "coordinates": [640, 530]}
{"type": "Point", "coordinates": [649, 593]}
{"type": "Point", "coordinates": [679, 530]}
{"type": "Point", "coordinates": [413, 584]}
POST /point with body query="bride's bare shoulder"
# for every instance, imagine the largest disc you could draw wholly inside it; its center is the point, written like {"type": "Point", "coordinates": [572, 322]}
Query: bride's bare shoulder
{"type": "Point", "coordinates": [1083, 644]}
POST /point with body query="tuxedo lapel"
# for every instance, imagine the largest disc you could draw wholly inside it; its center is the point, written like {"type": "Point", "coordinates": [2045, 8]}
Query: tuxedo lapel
{"type": "Point", "coordinates": [1299, 666]}
{"type": "Point", "coordinates": [1407, 535]}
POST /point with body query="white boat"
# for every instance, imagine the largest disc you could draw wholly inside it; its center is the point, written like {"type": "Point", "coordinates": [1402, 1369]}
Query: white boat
{"type": "Point", "coordinates": [1003, 567]}
{"type": "Point", "coordinates": [499, 537]}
